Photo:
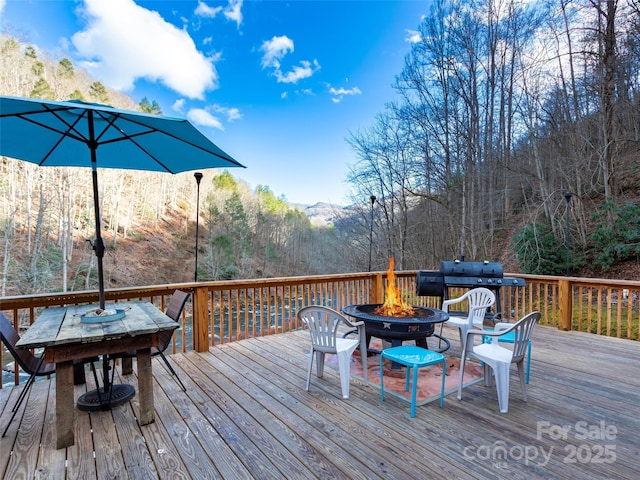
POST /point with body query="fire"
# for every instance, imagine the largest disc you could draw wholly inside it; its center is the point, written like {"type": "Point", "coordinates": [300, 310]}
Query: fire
{"type": "Point", "coordinates": [394, 305]}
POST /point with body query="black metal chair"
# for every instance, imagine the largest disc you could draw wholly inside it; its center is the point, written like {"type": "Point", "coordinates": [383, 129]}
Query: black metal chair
{"type": "Point", "coordinates": [173, 311]}
{"type": "Point", "coordinates": [32, 365]}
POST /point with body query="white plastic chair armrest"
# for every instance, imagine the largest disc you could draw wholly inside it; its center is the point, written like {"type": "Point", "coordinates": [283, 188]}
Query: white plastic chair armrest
{"type": "Point", "coordinates": [353, 324]}
{"type": "Point", "coordinates": [446, 303]}
{"type": "Point", "coordinates": [503, 327]}
{"type": "Point", "coordinates": [499, 329]}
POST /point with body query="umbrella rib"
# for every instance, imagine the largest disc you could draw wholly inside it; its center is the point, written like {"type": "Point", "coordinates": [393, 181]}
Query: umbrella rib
{"type": "Point", "coordinates": [71, 126]}
{"type": "Point", "coordinates": [126, 136]}
{"type": "Point", "coordinates": [70, 132]}
{"type": "Point", "coordinates": [150, 130]}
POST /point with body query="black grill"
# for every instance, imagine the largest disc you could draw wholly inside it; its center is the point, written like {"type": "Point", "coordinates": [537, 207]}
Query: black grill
{"type": "Point", "coordinates": [430, 284]}
{"type": "Point", "coordinates": [461, 274]}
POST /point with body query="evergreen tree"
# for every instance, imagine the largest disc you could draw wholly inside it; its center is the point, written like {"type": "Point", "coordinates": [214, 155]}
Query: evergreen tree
{"type": "Point", "coordinates": [150, 107]}
{"type": "Point", "coordinates": [30, 52]}
{"type": "Point", "coordinates": [42, 89]}
{"type": "Point", "coordinates": [65, 68]}
{"type": "Point", "coordinates": [76, 95]}
{"type": "Point", "coordinates": [37, 68]}
{"type": "Point", "coordinates": [98, 92]}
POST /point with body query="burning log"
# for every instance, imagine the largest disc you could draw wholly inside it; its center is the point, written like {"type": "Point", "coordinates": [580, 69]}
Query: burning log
{"type": "Point", "coordinates": [394, 305]}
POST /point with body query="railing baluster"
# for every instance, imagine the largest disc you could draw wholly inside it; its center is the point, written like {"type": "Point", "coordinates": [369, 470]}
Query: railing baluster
{"type": "Point", "coordinates": [248, 308]}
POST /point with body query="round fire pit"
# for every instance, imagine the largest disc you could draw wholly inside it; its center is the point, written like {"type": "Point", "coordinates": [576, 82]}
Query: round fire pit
{"type": "Point", "coordinates": [398, 329]}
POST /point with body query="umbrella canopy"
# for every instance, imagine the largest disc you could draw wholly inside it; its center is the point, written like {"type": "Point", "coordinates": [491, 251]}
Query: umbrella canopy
{"type": "Point", "coordinates": [80, 134]}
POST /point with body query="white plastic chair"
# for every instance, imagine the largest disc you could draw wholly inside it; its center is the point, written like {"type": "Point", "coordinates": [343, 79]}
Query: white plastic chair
{"type": "Point", "coordinates": [323, 323]}
{"type": "Point", "coordinates": [508, 338]}
{"type": "Point", "coordinates": [479, 300]}
{"type": "Point", "coordinates": [498, 359]}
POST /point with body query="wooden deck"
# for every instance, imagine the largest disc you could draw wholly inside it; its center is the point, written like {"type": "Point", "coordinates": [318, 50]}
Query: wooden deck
{"type": "Point", "coordinates": [246, 415]}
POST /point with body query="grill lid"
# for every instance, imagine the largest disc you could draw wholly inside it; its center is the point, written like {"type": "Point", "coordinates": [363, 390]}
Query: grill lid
{"type": "Point", "coordinates": [483, 270]}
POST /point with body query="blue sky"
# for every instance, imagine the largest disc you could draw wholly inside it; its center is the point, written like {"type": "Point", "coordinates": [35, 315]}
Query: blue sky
{"type": "Point", "coordinates": [276, 84]}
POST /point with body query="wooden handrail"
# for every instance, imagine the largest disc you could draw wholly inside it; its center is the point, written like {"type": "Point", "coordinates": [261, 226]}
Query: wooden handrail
{"type": "Point", "coordinates": [225, 311]}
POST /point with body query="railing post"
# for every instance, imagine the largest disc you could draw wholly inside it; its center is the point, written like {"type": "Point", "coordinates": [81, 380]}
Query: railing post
{"type": "Point", "coordinates": [377, 289]}
{"type": "Point", "coordinates": [200, 319]}
{"type": "Point", "coordinates": [565, 300]}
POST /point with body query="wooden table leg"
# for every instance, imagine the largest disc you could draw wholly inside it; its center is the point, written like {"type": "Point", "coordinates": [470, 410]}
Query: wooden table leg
{"type": "Point", "coordinates": [64, 405]}
{"type": "Point", "coordinates": [145, 386]}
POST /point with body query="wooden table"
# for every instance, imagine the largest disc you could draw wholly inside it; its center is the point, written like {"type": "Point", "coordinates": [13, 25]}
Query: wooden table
{"type": "Point", "coordinates": [65, 338]}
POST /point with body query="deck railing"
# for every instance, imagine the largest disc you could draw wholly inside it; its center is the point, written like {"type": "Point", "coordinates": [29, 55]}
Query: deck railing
{"type": "Point", "coordinates": [231, 310]}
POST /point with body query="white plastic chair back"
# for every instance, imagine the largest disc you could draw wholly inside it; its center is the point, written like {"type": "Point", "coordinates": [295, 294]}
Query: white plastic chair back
{"type": "Point", "coordinates": [521, 335]}
{"type": "Point", "coordinates": [497, 359]}
{"type": "Point", "coordinates": [323, 324]}
{"type": "Point", "coordinates": [478, 301]}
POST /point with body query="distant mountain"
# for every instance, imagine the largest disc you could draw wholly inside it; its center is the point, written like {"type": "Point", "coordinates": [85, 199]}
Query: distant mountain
{"type": "Point", "coordinates": [322, 213]}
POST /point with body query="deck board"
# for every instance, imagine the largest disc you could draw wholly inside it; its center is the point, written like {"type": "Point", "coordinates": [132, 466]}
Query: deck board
{"type": "Point", "coordinates": [246, 414]}
{"type": "Point", "coordinates": [311, 428]}
{"type": "Point", "coordinates": [204, 394]}
{"type": "Point", "coordinates": [250, 409]}
{"type": "Point", "coordinates": [362, 415]}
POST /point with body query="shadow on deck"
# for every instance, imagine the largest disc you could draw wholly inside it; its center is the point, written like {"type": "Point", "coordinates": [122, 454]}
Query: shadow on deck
{"type": "Point", "coordinates": [246, 415]}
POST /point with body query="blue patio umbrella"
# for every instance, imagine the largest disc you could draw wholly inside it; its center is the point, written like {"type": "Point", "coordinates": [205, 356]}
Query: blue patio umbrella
{"type": "Point", "coordinates": [81, 134]}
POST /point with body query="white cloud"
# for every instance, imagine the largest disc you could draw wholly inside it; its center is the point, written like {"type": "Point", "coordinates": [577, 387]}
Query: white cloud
{"type": "Point", "coordinates": [233, 11]}
{"type": "Point", "coordinates": [275, 50]}
{"type": "Point", "coordinates": [339, 93]}
{"type": "Point", "coordinates": [124, 42]}
{"type": "Point", "coordinates": [413, 36]}
{"type": "Point", "coordinates": [201, 117]}
{"type": "Point", "coordinates": [205, 10]}
{"type": "Point", "coordinates": [2, 4]}
{"type": "Point", "coordinates": [231, 113]}
{"type": "Point", "coordinates": [178, 105]}
{"type": "Point", "coordinates": [298, 72]}
{"type": "Point", "coordinates": [206, 117]}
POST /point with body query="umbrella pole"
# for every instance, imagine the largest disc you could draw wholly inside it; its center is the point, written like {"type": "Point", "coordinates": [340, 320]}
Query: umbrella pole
{"type": "Point", "coordinates": [115, 394]}
{"type": "Point", "coordinates": [98, 245]}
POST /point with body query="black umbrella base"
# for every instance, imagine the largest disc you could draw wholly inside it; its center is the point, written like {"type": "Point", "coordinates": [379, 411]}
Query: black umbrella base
{"type": "Point", "coordinates": [99, 399]}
